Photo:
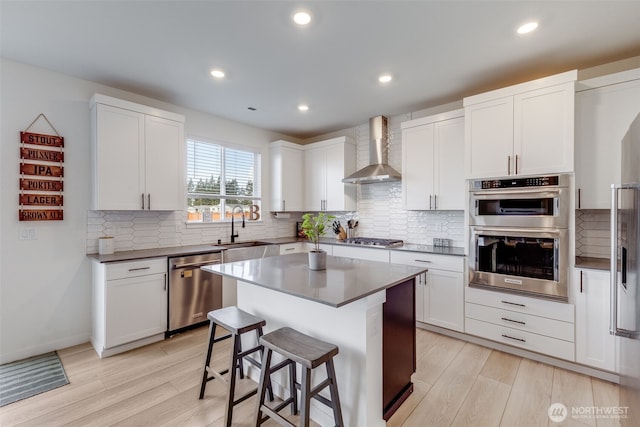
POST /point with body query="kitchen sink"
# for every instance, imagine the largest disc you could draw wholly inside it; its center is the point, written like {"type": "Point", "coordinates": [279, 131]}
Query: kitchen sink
{"type": "Point", "coordinates": [248, 250]}
{"type": "Point", "coordinates": [228, 246]}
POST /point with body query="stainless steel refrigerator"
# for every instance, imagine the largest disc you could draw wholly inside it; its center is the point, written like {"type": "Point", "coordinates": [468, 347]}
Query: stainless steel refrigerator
{"type": "Point", "coordinates": [625, 268]}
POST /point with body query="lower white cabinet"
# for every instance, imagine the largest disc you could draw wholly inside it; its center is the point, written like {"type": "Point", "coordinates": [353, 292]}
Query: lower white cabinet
{"type": "Point", "coordinates": [129, 304]}
{"type": "Point", "coordinates": [533, 324]}
{"type": "Point", "coordinates": [439, 291]}
{"type": "Point", "coordinates": [292, 248]}
{"type": "Point", "coordinates": [595, 346]}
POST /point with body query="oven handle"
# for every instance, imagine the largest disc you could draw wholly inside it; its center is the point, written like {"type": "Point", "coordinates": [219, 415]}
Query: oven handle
{"type": "Point", "coordinates": [520, 194]}
{"type": "Point", "coordinates": [520, 232]}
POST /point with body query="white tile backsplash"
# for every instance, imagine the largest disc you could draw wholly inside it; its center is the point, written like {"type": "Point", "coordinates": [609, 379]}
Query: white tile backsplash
{"type": "Point", "coordinates": [593, 237]}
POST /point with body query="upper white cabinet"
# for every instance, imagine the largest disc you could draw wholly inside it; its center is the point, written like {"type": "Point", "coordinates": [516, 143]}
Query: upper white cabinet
{"type": "Point", "coordinates": [595, 346]}
{"type": "Point", "coordinates": [605, 107]}
{"type": "Point", "coordinates": [432, 170]}
{"type": "Point", "coordinates": [286, 176]}
{"type": "Point", "coordinates": [326, 163]}
{"type": "Point", "coordinates": [524, 129]}
{"type": "Point", "coordinates": [137, 156]}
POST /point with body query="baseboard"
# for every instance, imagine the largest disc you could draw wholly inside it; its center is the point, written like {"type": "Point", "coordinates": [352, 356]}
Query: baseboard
{"type": "Point", "coordinates": [43, 348]}
{"type": "Point", "coordinates": [564, 364]}
{"type": "Point", "coordinates": [126, 347]}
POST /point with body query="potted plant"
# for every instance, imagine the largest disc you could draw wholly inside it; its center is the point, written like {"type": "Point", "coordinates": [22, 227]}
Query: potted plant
{"type": "Point", "coordinates": [313, 227]}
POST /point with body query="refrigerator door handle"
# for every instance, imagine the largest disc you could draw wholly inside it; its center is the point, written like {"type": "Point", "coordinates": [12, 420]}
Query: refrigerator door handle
{"type": "Point", "coordinates": [624, 266]}
{"type": "Point", "coordinates": [613, 319]}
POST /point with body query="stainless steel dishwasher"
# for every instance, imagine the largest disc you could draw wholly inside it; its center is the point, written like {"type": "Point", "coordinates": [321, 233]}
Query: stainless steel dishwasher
{"type": "Point", "coordinates": [192, 292]}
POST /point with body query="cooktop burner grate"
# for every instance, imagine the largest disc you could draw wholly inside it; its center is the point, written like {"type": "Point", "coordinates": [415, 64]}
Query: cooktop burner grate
{"type": "Point", "coordinates": [373, 241]}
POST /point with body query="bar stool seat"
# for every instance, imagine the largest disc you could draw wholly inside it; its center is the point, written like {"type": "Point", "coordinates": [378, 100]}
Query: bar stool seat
{"type": "Point", "coordinates": [309, 352]}
{"type": "Point", "coordinates": [237, 322]}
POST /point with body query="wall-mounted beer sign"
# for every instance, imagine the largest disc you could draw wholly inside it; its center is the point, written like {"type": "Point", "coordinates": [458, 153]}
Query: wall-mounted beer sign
{"type": "Point", "coordinates": [41, 175]}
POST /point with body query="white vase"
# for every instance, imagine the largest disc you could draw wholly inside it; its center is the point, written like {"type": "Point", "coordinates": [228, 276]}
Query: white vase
{"type": "Point", "coordinates": [317, 260]}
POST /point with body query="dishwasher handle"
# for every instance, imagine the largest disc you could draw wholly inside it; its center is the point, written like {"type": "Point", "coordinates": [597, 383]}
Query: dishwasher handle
{"type": "Point", "coordinates": [195, 264]}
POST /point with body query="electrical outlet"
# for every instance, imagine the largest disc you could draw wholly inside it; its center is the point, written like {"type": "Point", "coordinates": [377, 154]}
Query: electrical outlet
{"type": "Point", "coordinates": [28, 234]}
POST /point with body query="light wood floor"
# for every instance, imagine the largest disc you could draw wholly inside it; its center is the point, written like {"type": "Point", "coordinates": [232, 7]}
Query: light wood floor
{"type": "Point", "coordinates": [456, 383]}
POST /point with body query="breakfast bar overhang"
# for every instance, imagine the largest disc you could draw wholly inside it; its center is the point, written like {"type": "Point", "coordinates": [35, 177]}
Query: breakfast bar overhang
{"type": "Point", "coordinates": [366, 308]}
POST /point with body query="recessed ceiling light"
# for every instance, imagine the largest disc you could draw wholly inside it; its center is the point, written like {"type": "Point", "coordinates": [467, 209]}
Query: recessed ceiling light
{"type": "Point", "coordinates": [303, 107]}
{"type": "Point", "coordinates": [528, 27]}
{"type": "Point", "coordinates": [385, 78]}
{"type": "Point", "coordinates": [301, 18]}
{"type": "Point", "coordinates": [218, 74]}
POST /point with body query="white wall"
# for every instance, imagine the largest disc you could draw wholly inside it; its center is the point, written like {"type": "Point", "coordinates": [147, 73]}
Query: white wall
{"type": "Point", "coordinates": [45, 284]}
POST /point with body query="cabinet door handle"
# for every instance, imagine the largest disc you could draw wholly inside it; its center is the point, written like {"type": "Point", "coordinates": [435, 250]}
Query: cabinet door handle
{"type": "Point", "coordinates": [139, 268]}
{"type": "Point", "coordinates": [579, 201]}
{"type": "Point", "coordinates": [429, 201]}
{"type": "Point", "coordinates": [165, 282]}
{"type": "Point", "coordinates": [516, 164]}
{"type": "Point", "coordinates": [142, 197]}
{"type": "Point", "coordinates": [513, 338]}
{"type": "Point", "coordinates": [289, 249]}
{"type": "Point", "coordinates": [580, 281]}
{"type": "Point", "coordinates": [283, 205]}
{"type": "Point", "coordinates": [435, 201]}
{"type": "Point", "coordinates": [506, 319]}
{"type": "Point", "coordinates": [422, 260]}
{"type": "Point", "coordinates": [149, 201]}
{"type": "Point", "coordinates": [508, 165]}
{"type": "Point", "coordinates": [513, 303]}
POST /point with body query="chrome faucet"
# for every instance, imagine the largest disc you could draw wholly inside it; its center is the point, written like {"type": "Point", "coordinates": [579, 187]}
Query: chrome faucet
{"type": "Point", "coordinates": [233, 210]}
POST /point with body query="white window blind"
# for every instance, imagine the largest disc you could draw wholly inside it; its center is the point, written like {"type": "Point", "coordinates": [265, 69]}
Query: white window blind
{"type": "Point", "coordinates": [219, 178]}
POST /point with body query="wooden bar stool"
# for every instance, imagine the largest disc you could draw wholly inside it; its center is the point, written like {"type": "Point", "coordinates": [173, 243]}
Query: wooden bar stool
{"type": "Point", "coordinates": [237, 322]}
{"type": "Point", "coordinates": [310, 353]}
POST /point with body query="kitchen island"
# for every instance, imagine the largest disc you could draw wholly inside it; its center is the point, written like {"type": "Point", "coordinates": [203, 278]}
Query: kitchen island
{"type": "Point", "coordinates": [366, 308]}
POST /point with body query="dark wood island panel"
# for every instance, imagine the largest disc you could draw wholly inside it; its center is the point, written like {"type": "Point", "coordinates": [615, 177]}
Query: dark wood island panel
{"type": "Point", "coordinates": [398, 346]}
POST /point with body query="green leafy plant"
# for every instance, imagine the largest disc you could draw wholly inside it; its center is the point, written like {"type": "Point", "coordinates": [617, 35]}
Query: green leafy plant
{"type": "Point", "coordinates": [313, 227]}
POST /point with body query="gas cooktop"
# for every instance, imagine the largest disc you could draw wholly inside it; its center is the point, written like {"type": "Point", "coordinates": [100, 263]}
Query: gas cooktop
{"type": "Point", "coordinates": [373, 241]}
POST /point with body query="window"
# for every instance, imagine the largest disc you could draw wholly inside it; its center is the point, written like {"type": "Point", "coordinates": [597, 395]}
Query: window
{"type": "Point", "coordinates": [218, 180]}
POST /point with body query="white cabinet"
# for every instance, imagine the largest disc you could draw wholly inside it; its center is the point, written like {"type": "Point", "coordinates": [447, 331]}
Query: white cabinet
{"type": "Point", "coordinates": [292, 248]}
{"type": "Point", "coordinates": [595, 346]}
{"type": "Point", "coordinates": [432, 170]}
{"type": "Point", "coordinates": [439, 291]}
{"type": "Point", "coordinates": [603, 116]}
{"type": "Point", "coordinates": [137, 156]}
{"type": "Point", "coordinates": [326, 163]}
{"type": "Point", "coordinates": [369, 254]}
{"type": "Point", "coordinates": [129, 304]}
{"type": "Point", "coordinates": [524, 129]}
{"type": "Point", "coordinates": [533, 324]}
{"type": "Point", "coordinates": [287, 182]}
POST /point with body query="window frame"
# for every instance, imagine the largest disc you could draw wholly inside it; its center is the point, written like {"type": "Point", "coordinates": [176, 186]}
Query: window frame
{"type": "Point", "coordinates": [222, 197]}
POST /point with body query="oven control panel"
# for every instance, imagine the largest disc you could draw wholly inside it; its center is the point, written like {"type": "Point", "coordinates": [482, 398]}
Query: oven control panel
{"type": "Point", "coordinates": [534, 181]}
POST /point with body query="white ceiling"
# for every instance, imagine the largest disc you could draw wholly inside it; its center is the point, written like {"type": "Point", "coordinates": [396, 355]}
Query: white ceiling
{"type": "Point", "coordinates": [438, 52]}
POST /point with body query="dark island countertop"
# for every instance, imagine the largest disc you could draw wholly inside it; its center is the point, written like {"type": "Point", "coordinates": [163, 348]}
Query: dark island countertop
{"type": "Point", "coordinates": [345, 280]}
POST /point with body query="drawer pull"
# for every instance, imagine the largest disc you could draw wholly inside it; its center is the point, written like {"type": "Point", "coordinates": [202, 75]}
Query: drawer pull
{"type": "Point", "coordinates": [513, 303]}
{"type": "Point", "coordinates": [139, 268]}
{"type": "Point", "coordinates": [422, 260]}
{"type": "Point", "coordinates": [513, 338]}
{"type": "Point", "coordinates": [289, 249]}
{"type": "Point", "coordinates": [513, 321]}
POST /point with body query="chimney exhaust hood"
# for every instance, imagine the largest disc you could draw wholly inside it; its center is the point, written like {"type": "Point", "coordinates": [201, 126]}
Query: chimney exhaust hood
{"type": "Point", "coordinates": [378, 169]}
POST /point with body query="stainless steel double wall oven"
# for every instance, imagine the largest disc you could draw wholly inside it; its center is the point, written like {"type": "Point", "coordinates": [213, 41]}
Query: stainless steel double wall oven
{"type": "Point", "coordinates": [519, 235]}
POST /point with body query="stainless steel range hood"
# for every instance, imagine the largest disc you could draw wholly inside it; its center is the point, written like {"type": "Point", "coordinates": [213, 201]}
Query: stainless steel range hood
{"type": "Point", "coordinates": [378, 169]}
